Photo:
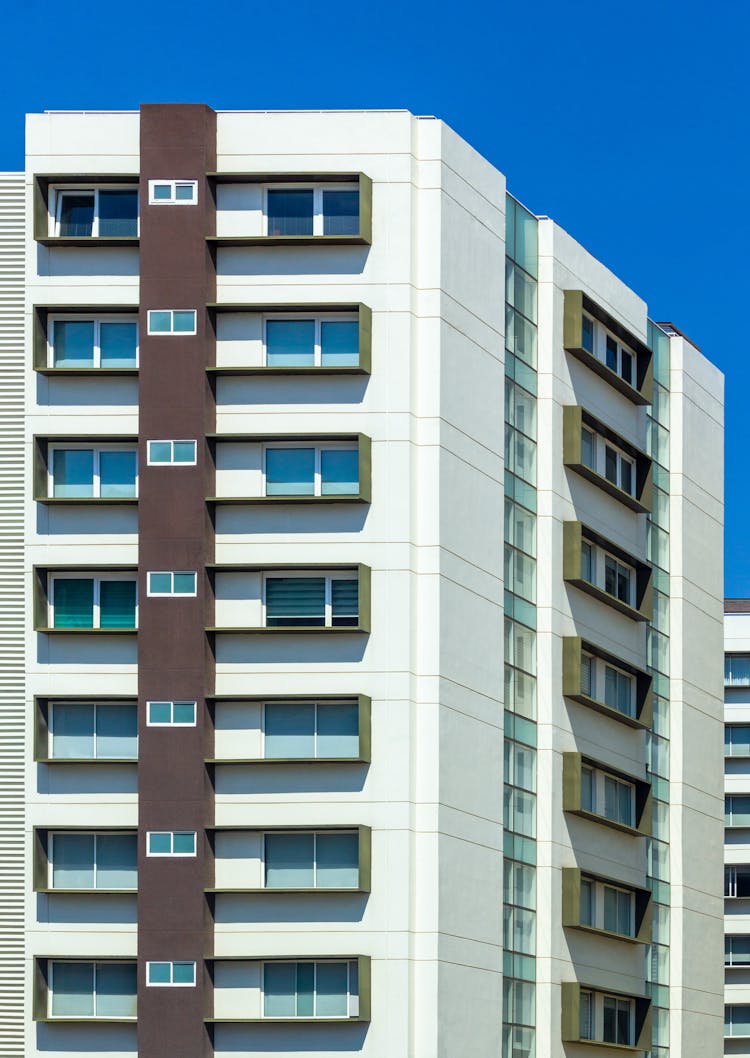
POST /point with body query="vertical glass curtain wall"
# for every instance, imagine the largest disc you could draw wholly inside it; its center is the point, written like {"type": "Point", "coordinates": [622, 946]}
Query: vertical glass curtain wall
{"type": "Point", "coordinates": [657, 955]}
{"type": "Point", "coordinates": [519, 887]}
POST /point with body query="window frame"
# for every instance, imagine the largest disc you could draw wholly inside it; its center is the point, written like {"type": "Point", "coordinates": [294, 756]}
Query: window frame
{"type": "Point", "coordinates": [596, 1017]}
{"type": "Point", "coordinates": [328, 576]}
{"type": "Point", "coordinates": [97, 449]}
{"type": "Point", "coordinates": [316, 706]}
{"type": "Point", "coordinates": [172, 702]}
{"type": "Point", "coordinates": [599, 557]}
{"type": "Point", "coordinates": [601, 335]}
{"type": "Point", "coordinates": [54, 702]}
{"type": "Point", "coordinates": [97, 578]}
{"type": "Point", "coordinates": [597, 669]}
{"type": "Point", "coordinates": [600, 775]}
{"type": "Point", "coordinates": [97, 320]}
{"type": "Point", "coordinates": [353, 998]}
{"type": "Point", "coordinates": [172, 574]}
{"type": "Point", "coordinates": [172, 200]}
{"type": "Point", "coordinates": [308, 888]}
{"type": "Point", "coordinates": [171, 963]}
{"type": "Point", "coordinates": [317, 187]}
{"type": "Point", "coordinates": [600, 445]}
{"type": "Point", "coordinates": [171, 333]}
{"type": "Point", "coordinates": [598, 895]}
{"type": "Point", "coordinates": [318, 318]}
{"type": "Point", "coordinates": [57, 193]}
{"type": "Point", "coordinates": [96, 834]}
{"type": "Point", "coordinates": [172, 462]}
{"type": "Point", "coordinates": [318, 448]}
{"type": "Point", "coordinates": [95, 963]}
{"type": "Point", "coordinates": [172, 854]}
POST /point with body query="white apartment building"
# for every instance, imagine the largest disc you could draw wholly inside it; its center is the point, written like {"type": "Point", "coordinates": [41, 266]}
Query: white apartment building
{"type": "Point", "coordinates": [370, 535]}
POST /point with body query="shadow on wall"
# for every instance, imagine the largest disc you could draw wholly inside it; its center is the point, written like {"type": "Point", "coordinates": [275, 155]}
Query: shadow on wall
{"type": "Point", "coordinates": [69, 649]}
{"type": "Point", "coordinates": [69, 908]}
{"type": "Point", "coordinates": [290, 260]}
{"type": "Point", "coordinates": [87, 391]}
{"type": "Point", "coordinates": [87, 521]}
{"type": "Point", "coordinates": [87, 1039]}
{"type": "Point", "coordinates": [289, 907]}
{"type": "Point", "coordinates": [255, 390]}
{"type": "Point", "coordinates": [272, 649]}
{"type": "Point", "coordinates": [63, 780]}
{"type": "Point", "coordinates": [241, 780]}
{"type": "Point", "coordinates": [326, 519]}
{"type": "Point", "coordinates": [310, 1038]}
{"type": "Point", "coordinates": [80, 261]}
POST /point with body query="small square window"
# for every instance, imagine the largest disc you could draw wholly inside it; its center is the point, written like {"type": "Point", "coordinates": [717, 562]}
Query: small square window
{"type": "Point", "coordinates": [170, 973]}
{"type": "Point", "coordinates": [171, 843]}
{"type": "Point", "coordinates": [170, 584]}
{"type": "Point", "coordinates": [174, 192]}
{"type": "Point", "coordinates": [171, 453]}
{"type": "Point", "coordinates": [172, 321]}
{"type": "Point", "coordinates": [171, 714]}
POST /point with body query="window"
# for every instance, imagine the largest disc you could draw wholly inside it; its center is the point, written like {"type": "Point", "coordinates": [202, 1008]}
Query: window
{"type": "Point", "coordinates": [607, 1019]}
{"type": "Point", "coordinates": [93, 861]}
{"type": "Point", "coordinates": [172, 192]}
{"type": "Point", "coordinates": [94, 730]}
{"type": "Point", "coordinates": [737, 951]}
{"type": "Point", "coordinates": [608, 907]}
{"type": "Point", "coordinates": [588, 330]}
{"type": "Point", "coordinates": [312, 211]}
{"type": "Point", "coordinates": [172, 321]}
{"type": "Point", "coordinates": [605, 571]}
{"type": "Point", "coordinates": [736, 883]}
{"type": "Point", "coordinates": [737, 810]}
{"type": "Point", "coordinates": [92, 989]}
{"type": "Point", "coordinates": [170, 843]}
{"type": "Point", "coordinates": [318, 470]}
{"type": "Point", "coordinates": [737, 1020]}
{"type": "Point", "coordinates": [96, 213]}
{"type": "Point", "coordinates": [82, 602]}
{"type": "Point", "coordinates": [737, 740]}
{"type": "Point", "coordinates": [603, 682]}
{"type": "Point", "coordinates": [106, 342]}
{"type": "Point", "coordinates": [322, 341]}
{"type": "Point", "coordinates": [168, 583]}
{"type": "Point", "coordinates": [737, 670]}
{"type": "Point", "coordinates": [98, 473]}
{"type": "Point", "coordinates": [596, 340]}
{"type": "Point", "coordinates": [171, 974]}
{"type": "Point", "coordinates": [587, 1009]}
{"type": "Point", "coordinates": [327, 601]}
{"type": "Point", "coordinates": [171, 714]}
{"type": "Point", "coordinates": [310, 989]}
{"type": "Point", "coordinates": [607, 796]}
{"type": "Point", "coordinates": [171, 453]}
{"type": "Point", "coordinates": [310, 730]}
{"type": "Point", "coordinates": [325, 860]}
{"type": "Point", "coordinates": [606, 459]}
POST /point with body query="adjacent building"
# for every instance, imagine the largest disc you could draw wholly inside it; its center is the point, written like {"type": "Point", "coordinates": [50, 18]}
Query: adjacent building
{"type": "Point", "coordinates": [363, 537]}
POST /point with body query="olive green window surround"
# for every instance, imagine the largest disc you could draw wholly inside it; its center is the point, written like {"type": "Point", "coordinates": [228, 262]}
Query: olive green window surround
{"type": "Point", "coordinates": [41, 861]}
{"type": "Point", "coordinates": [43, 734]}
{"type": "Point", "coordinates": [41, 467]}
{"type": "Point", "coordinates": [574, 418]}
{"type": "Point", "coordinates": [571, 1018]}
{"type": "Point", "coordinates": [41, 990]}
{"type": "Point", "coordinates": [574, 534]}
{"type": "Point", "coordinates": [41, 316]}
{"type": "Point", "coordinates": [571, 905]}
{"type": "Point", "coordinates": [573, 647]}
{"type": "Point", "coordinates": [576, 303]}
{"type": "Point", "coordinates": [42, 184]}
{"type": "Point", "coordinates": [572, 794]}
{"type": "Point", "coordinates": [42, 581]}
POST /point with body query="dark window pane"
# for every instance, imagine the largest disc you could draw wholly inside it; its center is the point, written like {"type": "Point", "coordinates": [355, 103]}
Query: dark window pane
{"type": "Point", "coordinates": [117, 471]}
{"type": "Point", "coordinates": [345, 599]}
{"type": "Point", "coordinates": [339, 469]}
{"type": "Point", "coordinates": [290, 729]}
{"type": "Point", "coordinates": [290, 343]}
{"type": "Point", "coordinates": [73, 472]}
{"type": "Point", "coordinates": [117, 604]}
{"type": "Point", "coordinates": [611, 353]}
{"type": "Point", "coordinates": [118, 213]}
{"type": "Point", "coordinates": [290, 471]}
{"type": "Point", "coordinates": [341, 212]}
{"type": "Point", "coordinates": [610, 465]}
{"type": "Point", "coordinates": [587, 334]}
{"type": "Point", "coordinates": [290, 212]}
{"type": "Point", "coordinates": [73, 343]}
{"type": "Point", "coordinates": [339, 341]}
{"type": "Point", "coordinates": [295, 601]}
{"type": "Point", "coordinates": [627, 367]}
{"type": "Point", "coordinates": [73, 601]}
{"type": "Point", "coordinates": [77, 214]}
{"type": "Point", "coordinates": [119, 341]}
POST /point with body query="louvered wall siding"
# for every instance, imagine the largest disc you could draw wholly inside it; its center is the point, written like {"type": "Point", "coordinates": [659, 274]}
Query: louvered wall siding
{"type": "Point", "coordinates": [12, 617]}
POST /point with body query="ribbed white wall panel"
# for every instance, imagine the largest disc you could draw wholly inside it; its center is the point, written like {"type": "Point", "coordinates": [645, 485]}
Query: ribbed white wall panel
{"type": "Point", "coordinates": [12, 723]}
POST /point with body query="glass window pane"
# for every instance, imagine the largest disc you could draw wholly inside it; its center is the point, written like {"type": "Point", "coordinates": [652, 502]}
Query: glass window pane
{"type": "Point", "coordinates": [305, 989]}
{"type": "Point", "coordinates": [331, 990]}
{"type": "Point", "coordinates": [72, 730]}
{"type": "Point", "coordinates": [610, 464]}
{"type": "Point", "coordinates": [338, 730]}
{"type": "Point", "coordinates": [159, 583]}
{"type": "Point", "coordinates": [345, 600]}
{"type": "Point", "coordinates": [159, 973]}
{"type": "Point", "coordinates": [184, 451]}
{"type": "Point", "coordinates": [117, 604]}
{"type": "Point", "coordinates": [73, 472]}
{"type": "Point", "coordinates": [119, 343]}
{"type": "Point", "coordinates": [337, 860]}
{"type": "Point", "coordinates": [341, 212]}
{"type": "Point", "coordinates": [72, 989]}
{"type": "Point", "coordinates": [117, 731]}
{"type": "Point", "coordinates": [183, 843]}
{"type": "Point", "coordinates": [289, 861]}
{"type": "Point", "coordinates": [162, 192]}
{"type": "Point", "coordinates": [117, 471]}
{"type": "Point", "coordinates": [586, 1013]}
{"type": "Point", "coordinates": [184, 583]}
{"type": "Point", "coordinates": [77, 214]}
{"type": "Point", "coordinates": [183, 712]}
{"type": "Point", "coordinates": [339, 472]}
{"type": "Point", "coordinates": [73, 861]}
{"type": "Point", "coordinates": [290, 471]}
{"type": "Point", "coordinates": [159, 452]}
{"type": "Point", "coordinates": [116, 990]}
{"type": "Point", "coordinates": [587, 334]}
{"type": "Point", "coordinates": [185, 192]}
{"type": "Point", "coordinates": [611, 357]}
{"type": "Point", "coordinates": [73, 343]}
{"type": "Point", "coordinates": [279, 989]}
{"type": "Point", "coordinates": [160, 712]}
{"type": "Point", "coordinates": [73, 601]}
{"type": "Point", "coordinates": [159, 321]}
{"type": "Point", "coordinates": [295, 601]}
{"type": "Point", "coordinates": [587, 902]}
{"type": "Point", "coordinates": [290, 343]}
{"type": "Point", "coordinates": [289, 730]}
{"type": "Point", "coordinates": [184, 321]}
{"type": "Point", "coordinates": [588, 449]}
{"type": "Point", "coordinates": [339, 341]}
{"type": "Point", "coordinates": [118, 213]}
{"type": "Point", "coordinates": [160, 843]}
{"type": "Point", "coordinates": [290, 212]}
{"type": "Point", "coordinates": [626, 369]}
{"type": "Point", "coordinates": [588, 800]}
{"type": "Point", "coordinates": [183, 973]}
{"type": "Point", "coordinates": [116, 861]}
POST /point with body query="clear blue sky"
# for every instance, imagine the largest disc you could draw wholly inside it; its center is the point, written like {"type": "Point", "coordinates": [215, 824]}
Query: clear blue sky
{"type": "Point", "coordinates": [626, 122]}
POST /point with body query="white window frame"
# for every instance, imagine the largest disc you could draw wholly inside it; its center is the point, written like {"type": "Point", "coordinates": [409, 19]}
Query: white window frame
{"type": "Point", "coordinates": [84, 833]}
{"type": "Point", "coordinates": [104, 702]}
{"type": "Point", "coordinates": [601, 334]}
{"type": "Point", "coordinates": [97, 578]}
{"type": "Point", "coordinates": [97, 449]}
{"type": "Point", "coordinates": [172, 200]}
{"type": "Point", "coordinates": [318, 319]}
{"type": "Point", "coordinates": [597, 688]}
{"type": "Point", "coordinates": [97, 320]}
{"type": "Point", "coordinates": [352, 1004]}
{"type": "Point", "coordinates": [317, 190]}
{"type": "Point", "coordinates": [596, 1021]}
{"type": "Point", "coordinates": [329, 578]}
{"type": "Point", "coordinates": [172, 462]}
{"type": "Point", "coordinates": [57, 193]}
{"type": "Point", "coordinates": [316, 705]}
{"type": "Point", "coordinates": [318, 447]}
{"type": "Point", "coordinates": [87, 962]}
{"type": "Point", "coordinates": [172, 854]}
{"type": "Point", "coordinates": [599, 558]}
{"type": "Point", "coordinates": [172, 333]}
{"type": "Point", "coordinates": [171, 963]}
{"type": "Point", "coordinates": [600, 445]}
{"type": "Point", "coordinates": [599, 798]}
{"type": "Point", "coordinates": [598, 889]}
{"type": "Point", "coordinates": [171, 703]}
{"type": "Point", "coordinates": [172, 574]}
{"type": "Point", "coordinates": [315, 835]}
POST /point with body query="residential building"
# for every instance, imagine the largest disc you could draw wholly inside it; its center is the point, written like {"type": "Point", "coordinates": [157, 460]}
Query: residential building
{"type": "Point", "coordinates": [361, 718]}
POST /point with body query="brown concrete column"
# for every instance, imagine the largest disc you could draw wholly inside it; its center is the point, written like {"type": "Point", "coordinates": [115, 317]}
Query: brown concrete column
{"type": "Point", "coordinates": [175, 533]}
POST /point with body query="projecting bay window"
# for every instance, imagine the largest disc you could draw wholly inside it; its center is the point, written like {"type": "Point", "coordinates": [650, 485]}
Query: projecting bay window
{"type": "Point", "coordinates": [95, 212]}
{"type": "Point", "coordinates": [311, 730]}
{"type": "Point", "coordinates": [607, 347]}
{"type": "Point", "coordinates": [600, 343]}
{"type": "Point", "coordinates": [311, 990]}
{"type": "Point", "coordinates": [606, 683]}
{"type": "Point", "coordinates": [737, 950]}
{"type": "Point", "coordinates": [605, 459]}
{"type": "Point", "coordinates": [107, 861]}
{"type": "Point", "coordinates": [83, 602]}
{"type": "Point", "coordinates": [602, 681]}
{"type": "Point", "coordinates": [330, 469]}
{"type": "Point", "coordinates": [317, 210]}
{"type": "Point", "coordinates": [605, 795]}
{"type": "Point", "coordinates": [329, 340]}
{"type": "Point", "coordinates": [325, 601]}
{"type": "Point", "coordinates": [607, 907]}
{"type": "Point", "coordinates": [607, 1019]}
{"type": "Point", "coordinates": [611, 462]}
{"type": "Point", "coordinates": [106, 342]}
{"type": "Point", "coordinates": [605, 571]}
{"type": "Point", "coordinates": [80, 472]}
{"type": "Point", "coordinates": [80, 990]}
{"type": "Point", "coordinates": [96, 731]}
{"type": "Point", "coordinates": [600, 568]}
{"type": "Point", "coordinates": [305, 860]}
